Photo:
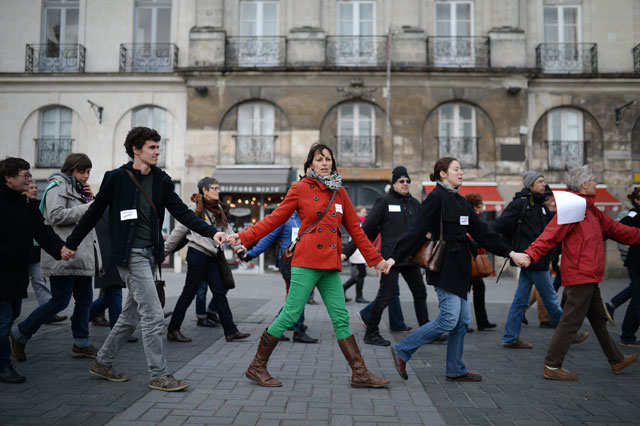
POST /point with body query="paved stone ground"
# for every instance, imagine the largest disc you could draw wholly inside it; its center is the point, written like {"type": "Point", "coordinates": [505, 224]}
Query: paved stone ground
{"type": "Point", "coordinates": [59, 389]}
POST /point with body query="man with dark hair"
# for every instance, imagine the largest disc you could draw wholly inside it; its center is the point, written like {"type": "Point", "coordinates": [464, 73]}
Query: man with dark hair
{"type": "Point", "coordinates": [136, 248]}
{"type": "Point", "coordinates": [20, 223]}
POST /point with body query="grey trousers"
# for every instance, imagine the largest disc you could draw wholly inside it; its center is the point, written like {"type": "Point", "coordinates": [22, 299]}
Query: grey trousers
{"type": "Point", "coordinates": [143, 306]}
{"type": "Point", "coordinates": [39, 284]}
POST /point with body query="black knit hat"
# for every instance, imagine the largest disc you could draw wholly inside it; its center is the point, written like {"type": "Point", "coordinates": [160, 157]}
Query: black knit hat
{"type": "Point", "coordinates": [399, 172]}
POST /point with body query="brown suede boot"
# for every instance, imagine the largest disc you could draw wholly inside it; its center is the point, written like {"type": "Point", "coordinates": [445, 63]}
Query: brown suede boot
{"type": "Point", "coordinates": [257, 371]}
{"type": "Point", "coordinates": [361, 377]}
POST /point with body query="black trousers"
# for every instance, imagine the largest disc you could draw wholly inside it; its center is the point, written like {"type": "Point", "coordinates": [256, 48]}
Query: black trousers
{"type": "Point", "coordinates": [358, 280]}
{"type": "Point", "coordinates": [478, 303]}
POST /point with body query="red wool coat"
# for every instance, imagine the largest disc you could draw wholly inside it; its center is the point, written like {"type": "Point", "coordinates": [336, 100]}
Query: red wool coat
{"type": "Point", "coordinates": [321, 247]}
{"type": "Point", "coordinates": [582, 244]}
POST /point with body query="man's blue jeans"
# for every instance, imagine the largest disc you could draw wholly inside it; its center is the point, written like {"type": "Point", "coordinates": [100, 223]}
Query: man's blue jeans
{"type": "Point", "coordinates": [454, 319]}
{"type": "Point", "coordinates": [201, 301]}
{"type": "Point", "coordinates": [542, 281]}
{"type": "Point", "coordinates": [112, 300]}
{"type": "Point", "coordinates": [396, 319]}
{"type": "Point", "coordinates": [62, 288]}
{"type": "Point", "coordinates": [9, 311]}
{"type": "Point", "coordinates": [632, 316]}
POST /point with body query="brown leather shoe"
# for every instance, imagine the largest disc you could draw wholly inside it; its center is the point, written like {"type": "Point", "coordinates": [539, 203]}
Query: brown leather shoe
{"type": "Point", "coordinates": [518, 344]}
{"type": "Point", "coordinates": [559, 374]}
{"type": "Point", "coordinates": [57, 318]}
{"type": "Point", "coordinates": [257, 371]}
{"type": "Point", "coordinates": [361, 377]}
{"type": "Point", "coordinates": [236, 336]}
{"type": "Point", "coordinates": [627, 361]}
{"type": "Point", "coordinates": [177, 336]}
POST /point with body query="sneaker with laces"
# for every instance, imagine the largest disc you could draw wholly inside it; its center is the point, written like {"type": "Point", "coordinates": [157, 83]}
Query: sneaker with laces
{"type": "Point", "coordinates": [580, 337]}
{"type": "Point", "coordinates": [83, 352]}
{"type": "Point", "coordinates": [632, 344]}
{"type": "Point", "coordinates": [627, 361]}
{"type": "Point", "coordinates": [375, 339]}
{"type": "Point", "coordinates": [401, 365]}
{"type": "Point", "coordinates": [559, 374]}
{"type": "Point", "coordinates": [168, 384]}
{"type": "Point", "coordinates": [107, 372]}
{"type": "Point", "coordinates": [17, 349]}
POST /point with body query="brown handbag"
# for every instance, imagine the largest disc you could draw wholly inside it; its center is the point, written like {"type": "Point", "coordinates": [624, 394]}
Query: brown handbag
{"type": "Point", "coordinates": [480, 266]}
{"type": "Point", "coordinates": [287, 254]}
{"type": "Point", "coordinates": [430, 254]}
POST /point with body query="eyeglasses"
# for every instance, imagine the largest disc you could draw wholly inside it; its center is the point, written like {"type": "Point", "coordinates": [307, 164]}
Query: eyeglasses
{"type": "Point", "coordinates": [27, 175]}
{"type": "Point", "coordinates": [214, 188]}
{"type": "Point", "coordinates": [403, 181]}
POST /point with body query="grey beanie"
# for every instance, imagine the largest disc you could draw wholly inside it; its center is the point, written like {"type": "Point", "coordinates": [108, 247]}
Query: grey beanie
{"type": "Point", "coordinates": [529, 177]}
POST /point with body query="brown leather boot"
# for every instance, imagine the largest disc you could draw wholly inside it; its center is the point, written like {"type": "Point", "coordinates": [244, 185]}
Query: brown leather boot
{"type": "Point", "coordinates": [360, 377]}
{"type": "Point", "coordinates": [257, 371]}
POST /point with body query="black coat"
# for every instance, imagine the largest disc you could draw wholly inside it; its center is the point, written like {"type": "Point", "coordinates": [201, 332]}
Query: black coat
{"type": "Point", "coordinates": [118, 192]}
{"type": "Point", "coordinates": [633, 255]}
{"type": "Point", "coordinates": [455, 274]}
{"type": "Point", "coordinates": [111, 276]}
{"type": "Point", "coordinates": [20, 223]}
{"type": "Point", "coordinates": [535, 217]}
{"type": "Point", "coordinates": [391, 216]}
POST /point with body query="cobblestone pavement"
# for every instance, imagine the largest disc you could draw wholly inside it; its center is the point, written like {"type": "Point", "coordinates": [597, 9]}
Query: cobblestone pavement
{"type": "Point", "coordinates": [59, 390]}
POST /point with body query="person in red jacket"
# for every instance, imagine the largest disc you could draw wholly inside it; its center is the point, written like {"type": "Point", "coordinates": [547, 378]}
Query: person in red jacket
{"type": "Point", "coordinates": [582, 270]}
{"type": "Point", "coordinates": [316, 262]}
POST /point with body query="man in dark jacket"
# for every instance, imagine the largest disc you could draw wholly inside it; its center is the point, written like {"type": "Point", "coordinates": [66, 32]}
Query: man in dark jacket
{"type": "Point", "coordinates": [136, 247]}
{"type": "Point", "coordinates": [392, 215]}
{"type": "Point", "coordinates": [20, 223]}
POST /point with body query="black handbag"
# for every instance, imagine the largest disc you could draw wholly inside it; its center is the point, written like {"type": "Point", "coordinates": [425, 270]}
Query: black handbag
{"type": "Point", "coordinates": [225, 271]}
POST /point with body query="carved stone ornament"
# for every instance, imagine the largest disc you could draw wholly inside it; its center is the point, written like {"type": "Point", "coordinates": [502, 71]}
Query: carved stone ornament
{"type": "Point", "coordinates": [357, 90]}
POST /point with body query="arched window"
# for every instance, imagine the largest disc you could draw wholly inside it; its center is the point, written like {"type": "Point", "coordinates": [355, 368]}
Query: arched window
{"type": "Point", "coordinates": [54, 137]}
{"type": "Point", "coordinates": [457, 133]}
{"type": "Point", "coordinates": [154, 118]}
{"type": "Point", "coordinates": [565, 130]}
{"type": "Point", "coordinates": [356, 133]}
{"type": "Point", "coordinates": [255, 141]}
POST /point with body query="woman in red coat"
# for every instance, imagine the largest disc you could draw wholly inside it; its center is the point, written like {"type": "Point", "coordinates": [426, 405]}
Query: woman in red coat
{"type": "Point", "coordinates": [316, 262]}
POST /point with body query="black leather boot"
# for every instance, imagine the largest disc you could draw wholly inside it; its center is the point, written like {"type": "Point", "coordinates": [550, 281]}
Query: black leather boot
{"type": "Point", "coordinates": [8, 374]}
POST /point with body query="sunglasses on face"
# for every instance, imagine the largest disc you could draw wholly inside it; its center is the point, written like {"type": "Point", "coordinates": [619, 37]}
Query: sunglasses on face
{"type": "Point", "coordinates": [403, 181]}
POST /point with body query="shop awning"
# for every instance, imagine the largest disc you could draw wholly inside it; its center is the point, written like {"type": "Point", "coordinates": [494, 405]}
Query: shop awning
{"type": "Point", "coordinates": [253, 179]}
{"type": "Point", "coordinates": [493, 201]}
{"type": "Point", "coordinates": [605, 201]}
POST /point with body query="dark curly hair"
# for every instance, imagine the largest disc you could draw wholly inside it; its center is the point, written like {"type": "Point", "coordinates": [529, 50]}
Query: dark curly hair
{"type": "Point", "coordinates": [474, 199]}
{"type": "Point", "coordinates": [137, 138]}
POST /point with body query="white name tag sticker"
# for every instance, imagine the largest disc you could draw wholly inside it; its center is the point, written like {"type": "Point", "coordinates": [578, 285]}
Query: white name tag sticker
{"type": "Point", "coordinates": [464, 220]}
{"type": "Point", "coordinates": [128, 214]}
{"type": "Point", "coordinates": [294, 233]}
{"type": "Point", "coordinates": [544, 211]}
{"type": "Point", "coordinates": [394, 208]}
{"type": "Point", "coordinates": [632, 214]}
{"type": "Point", "coordinates": [338, 208]}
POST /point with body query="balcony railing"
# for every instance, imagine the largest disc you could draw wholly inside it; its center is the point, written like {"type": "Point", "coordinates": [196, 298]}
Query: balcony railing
{"type": "Point", "coordinates": [51, 152]}
{"type": "Point", "coordinates": [459, 52]}
{"type": "Point", "coordinates": [564, 155]}
{"type": "Point", "coordinates": [636, 58]}
{"type": "Point", "coordinates": [41, 58]}
{"type": "Point", "coordinates": [255, 149]}
{"type": "Point", "coordinates": [357, 149]}
{"type": "Point", "coordinates": [564, 58]}
{"type": "Point", "coordinates": [267, 51]}
{"type": "Point", "coordinates": [357, 51]}
{"type": "Point", "coordinates": [465, 149]}
{"type": "Point", "coordinates": [148, 57]}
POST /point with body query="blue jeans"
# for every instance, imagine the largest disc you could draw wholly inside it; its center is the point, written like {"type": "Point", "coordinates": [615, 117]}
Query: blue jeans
{"type": "Point", "coordinates": [622, 296]}
{"type": "Point", "coordinates": [454, 319]}
{"type": "Point", "coordinates": [9, 311]}
{"type": "Point", "coordinates": [632, 316]}
{"type": "Point", "coordinates": [542, 281]}
{"type": "Point", "coordinates": [112, 300]}
{"type": "Point", "coordinates": [396, 319]}
{"type": "Point", "coordinates": [62, 288]}
{"type": "Point", "coordinates": [201, 301]}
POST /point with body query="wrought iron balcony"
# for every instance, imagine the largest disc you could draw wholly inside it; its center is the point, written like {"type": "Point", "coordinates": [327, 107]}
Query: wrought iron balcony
{"type": "Point", "coordinates": [636, 58]}
{"type": "Point", "coordinates": [267, 51]}
{"type": "Point", "coordinates": [51, 152]}
{"type": "Point", "coordinates": [41, 58]}
{"type": "Point", "coordinates": [565, 58]}
{"type": "Point", "coordinates": [460, 52]}
{"type": "Point", "coordinates": [564, 155]}
{"type": "Point", "coordinates": [255, 149]}
{"type": "Point", "coordinates": [148, 57]}
{"type": "Point", "coordinates": [465, 149]}
{"type": "Point", "coordinates": [357, 149]}
{"type": "Point", "coordinates": [357, 51]}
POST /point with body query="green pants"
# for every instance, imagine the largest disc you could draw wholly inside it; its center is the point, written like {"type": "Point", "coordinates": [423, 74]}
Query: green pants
{"type": "Point", "coordinates": [329, 285]}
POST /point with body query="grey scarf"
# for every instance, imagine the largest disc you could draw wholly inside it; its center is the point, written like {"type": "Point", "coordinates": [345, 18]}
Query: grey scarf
{"type": "Point", "coordinates": [333, 181]}
{"type": "Point", "coordinates": [447, 187]}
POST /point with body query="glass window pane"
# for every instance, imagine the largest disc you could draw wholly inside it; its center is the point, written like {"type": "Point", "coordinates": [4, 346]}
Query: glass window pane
{"type": "Point", "coordinates": [65, 114]}
{"type": "Point", "coordinates": [345, 12]}
{"type": "Point", "coordinates": [270, 11]}
{"type": "Point", "coordinates": [463, 29]}
{"type": "Point", "coordinates": [466, 129]}
{"type": "Point", "coordinates": [551, 25]}
{"type": "Point", "coordinates": [365, 112]}
{"type": "Point", "coordinates": [366, 11]}
{"type": "Point", "coordinates": [159, 121]}
{"type": "Point", "coordinates": [555, 125]}
{"type": "Point", "coordinates": [143, 25]}
{"type": "Point", "coordinates": [267, 114]}
{"type": "Point", "coordinates": [446, 112]}
{"type": "Point", "coordinates": [346, 112]}
{"type": "Point", "coordinates": [463, 12]}
{"type": "Point", "coordinates": [570, 15]}
{"type": "Point", "coordinates": [465, 112]}
{"type": "Point", "coordinates": [71, 26]}
{"type": "Point", "coordinates": [163, 28]}
{"type": "Point", "coordinates": [52, 29]}
{"type": "Point", "coordinates": [365, 28]}
{"type": "Point", "coordinates": [570, 34]}
{"type": "Point", "coordinates": [443, 12]}
{"type": "Point", "coordinates": [245, 119]}
{"type": "Point", "coordinates": [443, 28]}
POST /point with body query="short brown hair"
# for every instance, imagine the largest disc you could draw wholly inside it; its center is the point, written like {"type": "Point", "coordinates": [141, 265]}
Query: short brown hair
{"type": "Point", "coordinates": [474, 199]}
{"type": "Point", "coordinates": [11, 166]}
{"type": "Point", "coordinates": [76, 161]}
{"type": "Point", "coordinates": [442, 165]}
{"type": "Point", "coordinates": [315, 148]}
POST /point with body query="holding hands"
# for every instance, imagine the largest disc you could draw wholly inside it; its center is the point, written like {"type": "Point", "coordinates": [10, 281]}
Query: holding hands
{"type": "Point", "coordinates": [521, 259]}
{"type": "Point", "coordinates": [66, 253]}
{"type": "Point", "coordinates": [220, 237]}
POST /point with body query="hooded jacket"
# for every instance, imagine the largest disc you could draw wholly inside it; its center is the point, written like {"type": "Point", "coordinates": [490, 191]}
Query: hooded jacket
{"type": "Point", "coordinates": [582, 244]}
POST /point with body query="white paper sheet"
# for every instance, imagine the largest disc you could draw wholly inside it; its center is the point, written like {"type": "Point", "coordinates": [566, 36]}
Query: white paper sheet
{"type": "Point", "coordinates": [570, 207]}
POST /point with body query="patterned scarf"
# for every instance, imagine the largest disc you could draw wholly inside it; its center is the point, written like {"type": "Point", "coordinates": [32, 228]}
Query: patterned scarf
{"type": "Point", "coordinates": [333, 181]}
{"type": "Point", "coordinates": [86, 195]}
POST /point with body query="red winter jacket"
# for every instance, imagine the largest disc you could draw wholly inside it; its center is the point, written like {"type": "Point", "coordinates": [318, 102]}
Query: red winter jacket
{"type": "Point", "coordinates": [321, 247]}
{"type": "Point", "coordinates": [582, 244]}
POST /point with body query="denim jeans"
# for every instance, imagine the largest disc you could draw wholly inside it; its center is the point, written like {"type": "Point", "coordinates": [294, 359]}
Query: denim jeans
{"type": "Point", "coordinates": [142, 306]}
{"type": "Point", "coordinates": [39, 284]}
{"type": "Point", "coordinates": [394, 309]}
{"type": "Point", "coordinates": [542, 281]}
{"type": "Point", "coordinates": [621, 297]}
{"type": "Point", "coordinates": [201, 266]}
{"type": "Point", "coordinates": [9, 311]}
{"type": "Point", "coordinates": [632, 316]}
{"type": "Point", "coordinates": [62, 288]}
{"type": "Point", "coordinates": [112, 300]}
{"type": "Point", "coordinates": [454, 319]}
{"type": "Point", "coordinates": [201, 301]}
